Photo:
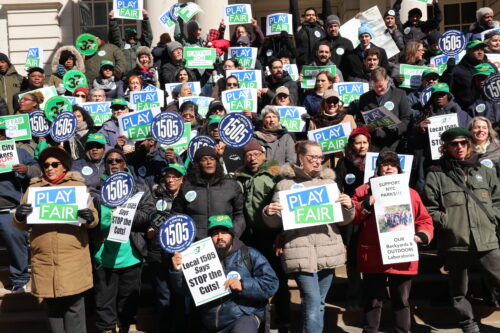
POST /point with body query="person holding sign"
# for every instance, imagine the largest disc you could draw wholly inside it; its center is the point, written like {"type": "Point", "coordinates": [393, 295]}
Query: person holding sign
{"type": "Point", "coordinates": [91, 165]}
{"type": "Point", "coordinates": [415, 28]}
{"type": "Point", "coordinates": [278, 78]}
{"type": "Point", "coordinates": [241, 30]}
{"type": "Point", "coordinates": [369, 256]}
{"type": "Point", "coordinates": [250, 280]}
{"type": "Point", "coordinates": [106, 81]}
{"type": "Point", "coordinates": [463, 198]}
{"type": "Point", "coordinates": [60, 258]}
{"type": "Point", "coordinates": [110, 127]}
{"type": "Point", "coordinates": [311, 253]}
{"type": "Point", "coordinates": [144, 67]}
{"type": "Point", "coordinates": [486, 143]}
{"type": "Point", "coordinates": [65, 59]}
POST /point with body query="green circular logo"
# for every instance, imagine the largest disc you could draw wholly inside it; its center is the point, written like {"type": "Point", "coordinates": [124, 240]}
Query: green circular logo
{"type": "Point", "coordinates": [55, 106]}
{"type": "Point", "coordinates": [86, 44]}
{"type": "Point", "coordinates": [74, 79]}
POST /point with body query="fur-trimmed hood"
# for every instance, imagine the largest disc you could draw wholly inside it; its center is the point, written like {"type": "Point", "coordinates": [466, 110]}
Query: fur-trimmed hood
{"type": "Point", "coordinates": [144, 50]}
{"type": "Point", "coordinates": [475, 26]}
{"type": "Point", "coordinates": [293, 171]}
{"type": "Point", "coordinates": [80, 63]}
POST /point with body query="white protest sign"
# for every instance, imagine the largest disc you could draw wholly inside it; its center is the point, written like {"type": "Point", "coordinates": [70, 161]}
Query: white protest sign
{"type": "Point", "coordinates": [371, 164]}
{"type": "Point", "coordinates": [246, 56]}
{"type": "Point", "coordinates": [310, 206]}
{"type": "Point", "coordinates": [203, 272]}
{"type": "Point", "coordinates": [237, 14]}
{"type": "Point", "coordinates": [332, 138]}
{"type": "Point", "coordinates": [156, 96]}
{"type": "Point", "coordinates": [438, 125]}
{"type": "Point", "coordinates": [199, 57]}
{"type": "Point", "coordinates": [8, 155]}
{"type": "Point", "coordinates": [57, 204]}
{"type": "Point", "coordinates": [47, 93]}
{"type": "Point", "coordinates": [484, 33]}
{"type": "Point", "coordinates": [169, 88]}
{"type": "Point", "coordinates": [136, 125]}
{"type": "Point", "coordinates": [291, 118]}
{"type": "Point", "coordinates": [202, 102]}
{"type": "Point", "coordinates": [251, 78]}
{"type": "Point", "coordinates": [494, 58]}
{"type": "Point", "coordinates": [350, 91]}
{"type": "Point", "coordinates": [121, 221]}
{"type": "Point", "coordinates": [394, 216]}
{"type": "Point", "coordinates": [236, 100]}
{"type": "Point", "coordinates": [34, 57]}
{"type": "Point", "coordinates": [166, 20]}
{"type": "Point", "coordinates": [292, 70]}
{"type": "Point", "coordinates": [276, 23]}
{"type": "Point", "coordinates": [99, 111]}
{"type": "Point", "coordinates": [128, 9]}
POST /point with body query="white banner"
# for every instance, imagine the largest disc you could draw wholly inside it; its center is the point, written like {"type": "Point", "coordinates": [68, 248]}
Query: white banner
{"type": "Point", "coordinates": [371, 164]}
{"type": "Point", "coordinates": [121, 221]}
{"type": "Point", "coordinates": [438, 125]}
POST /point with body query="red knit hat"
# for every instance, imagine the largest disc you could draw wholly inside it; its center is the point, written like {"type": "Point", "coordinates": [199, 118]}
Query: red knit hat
{"type": "Point", "coordinates": [82, 89]}
{"type": "Point", "coordinates": [359, 130]}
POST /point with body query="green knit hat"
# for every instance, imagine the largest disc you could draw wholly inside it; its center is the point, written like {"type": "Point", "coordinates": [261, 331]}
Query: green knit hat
{"type": "Point", "coordinates": [220, 221]}
{"type": "Point", "coordinates": [483, 69]}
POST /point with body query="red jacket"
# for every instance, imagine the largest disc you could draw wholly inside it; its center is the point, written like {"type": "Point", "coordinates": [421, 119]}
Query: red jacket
{"type": "Point", "coordinates": [369, 256]}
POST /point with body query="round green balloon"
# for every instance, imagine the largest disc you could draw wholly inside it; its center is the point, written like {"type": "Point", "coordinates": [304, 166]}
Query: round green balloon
{"type": "Point", "coordinates": [74, 79]}
{"type": "Point", "coordinates": [86, 44]}
{"type": "Point", "coordinates": [55, 106]}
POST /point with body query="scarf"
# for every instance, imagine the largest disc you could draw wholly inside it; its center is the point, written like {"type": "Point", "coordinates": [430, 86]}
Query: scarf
{"type": "Point", "coordinates": [481, 149]}
{"type": "Point", "coordinates": [105, 84]}
{"type": "Point", "coordinates": [270, 135]}
{"type": "Point", "coordinates": [55, 181]}
{"type": "Point", "coordinates": [358, 162]}
{"type": "Point", "coordinates": [325, 120]}
{"type": "Point", "coordinates": [74, 141]}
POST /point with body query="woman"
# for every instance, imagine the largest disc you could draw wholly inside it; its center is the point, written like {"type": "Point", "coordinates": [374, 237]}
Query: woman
{"type": "Point", "coordinates": [81, 93]}
{"type": "Point", "coordinates": [65, 59]}
{"type": "Point", "coordinates": [183, 90]}
{"type": "Point", "coordinates": [106, 81]}
{"type": "Point", "coordinates": [189, 114]}
{"type": "Point", "coordinates": [134, 83]}
{"type": "Point", "coordinates": [60, 257]}
{"type": "Point", "coordinates": [493, 41]}
{"type": "Point", "coordinates": [30, 102]}
{"type": "Point", "coordinates": [75, 146]}
{"type": "Point", "coordinates": [375, 273]}
{"type": "Point", "coordinates": [144, 67]}
{"type": "Point", "coordinates": [241, 30]}
{"type": "Point", "coordinates": [282, 97]}
{"type": "Point", "coordinates": [324, 82]}
{"type": "Point", "coordinates": [309, 254]}
{"type": "Point", "coordinates": [485, 143]}
{"type": "Point", "coordinates": [183, 75]}
{"type": "Point", "coordinates": [231, 82]}
{"type": "Point", "coordinates": [274, 137]}
{"type": "Point", "coordinates": [413, 54]}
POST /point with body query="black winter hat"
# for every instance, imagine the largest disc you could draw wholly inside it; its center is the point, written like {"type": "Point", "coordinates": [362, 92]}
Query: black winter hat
{"type": "Point", "coordinates": [433, 37]}
{"type": "Point", "coordinates": [3, 57]}
{"type": "Point", "coordinates": [415, 11]}
{"type": "Point", "coordinates": [65, 55]}
{"type": "Point", "coordinates": [56, 153]}
{"type": "Point", "coordinates": [204, 151]}
{"type": "Point", "coordinates": [388, 157]}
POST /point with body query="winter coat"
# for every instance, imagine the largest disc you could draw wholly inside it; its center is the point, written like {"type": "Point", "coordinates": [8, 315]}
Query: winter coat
{"type": "Point", "coordinates": [149, 167]}
{"type": "Point", "coordinates": [369, 258]}
{"type": "Point", "coordinates": [259, 283]}
{"type": "Point", "coordinates": [461, 224]}
{"type": "Point", "coordinates": [56, 80]}
{"type": "Point", "coordinates": [483, 107]}
{"type": "Point", "coordinates": [341, 47]}
{"type": "Point", "coordinates": [349, 177]}
{"type": "Point", "coordinates": [308, 34]}
{"type": "Point", "coordinates": [111, 131]}
{"type": "Point", "coordinates": [10, 84]}
{"type": "Point", "coordinates": [419, 31]}
{"type": "Point", "coordinates": [168, 71]}
{"type": "Point", "coordinates": [112, 92]}
{"type": "Point", "coordinates": [286, 81]}
{"type": "Point", "coordinates": [354, 61]}
{"type": "Point", "coordinates": [491, 158]}
{"type": "Point", "coordinates": [476, 29]}
{"type": "Point", "coordinates": [309, 249]}
{"type": "Point", "coordinates": [273, 45]}
{"type": "Point", "coordinates": [107, 51]}
{"type": "Point", "coordinates": [282, 149]}
{"type": "Point", "coordinates": [60, 257]}
{"type": "Point", "coordinates": [311, 103]}
{"type": "Point", "coordinates": [149, 77]}
{"type": "Point", "coordinates": [90, 171]}
{"type": "Point", "coordinates": [397, 36]}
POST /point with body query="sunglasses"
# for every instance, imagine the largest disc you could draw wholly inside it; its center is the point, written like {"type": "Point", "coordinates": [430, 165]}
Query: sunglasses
{"type": "Point", "coordinates": [114, 160]}
{"type": "Point", "coordinates": [80, 95]}
{"type": "Point", "coordinates": [229, 84]}
{"type": "Point", "coordinates": [53, 165]}
{"type": "Point", "coordinates": [332, 101]}
{"type": "Point", "coordinates": [457, 143]}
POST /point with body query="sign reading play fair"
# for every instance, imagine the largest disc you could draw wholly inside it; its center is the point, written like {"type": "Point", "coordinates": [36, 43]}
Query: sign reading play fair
{"type": "Point", "coordinates": [247, 78]}
{"type": "Point", "coordinates": [47, 93]}
{"type": "Point", "coordinates": [237, 14]}
{"type": "Point", "coordinates": [395, 220]}
{"type": "Point", "coordinates": [136, 125]}
{"type": "Point", "coordinates": [412, 75]}
{"type": "Point", "coordinates": [438, 125]}
{"type": "Point", "coordinates": [147, 97]}
{"type": "Point", "coordinates": [291, 118]}
{"type": "Point", "coordinates": [166, 20]}
{"type": "Point", "coordinates": [199, 57]}
{"type": "Point", "coordinates": [121, 222]}
{"type": "Point", "coordinates": [237, 100]}
{"type": "Point", "coordinates": [99, 111]}
{"type": "Point", "coordinates": [439, 62]}
{"type": "Point", "coordinates": [8, 155]}
{"type": "Point", "coordinates": [57, 204]}
{"type": "Point", "coordinates": [405, 161]}
{"type": "Point", "coordinates": [202, 102]}
{"type": "Point", "coordinates": [332, 138]}
{"type": "Point", "coordinates": [34, 57]}
{"type": "Point", "coordinates": [310, 73]}
{"type": "Point", "coordinates": [350, 91]}
{"type": "Point", "coordinates": [292, 70]}
{"type": "Point", "coordinates": [17, 127]}
{"type": "Point", "coordinates": [381, 116]}
{"type": "Point", "coordinates": [246, 56]}
{"type": "Point", "coordinates": [188, 11]}
{"type": "Point", "coordinates": [203, 272]}
{"type": "Point", "coordinates": [128, 9]}
{"type": "Point", "coordinates": [276, 23]}
{"type": "Point", "coordinates": [310, 206]}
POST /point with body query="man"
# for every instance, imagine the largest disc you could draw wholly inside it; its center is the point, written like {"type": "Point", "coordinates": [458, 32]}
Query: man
{"type": "Point", "coordinates": [35, 80]}
{"type": "Point", "coordinates": [232, 158]}
{"type": "Point", "coordinates": [308, 34]}
{"type": "Point", "coordinates": [97, 95]}
{"type": "Point", "coordinates": [111, 130]}
{"type": "Point", "coordinates": [278, 78]}
{"type": "Point", "coordinates": [483, 106]}
{"type": "Point", "coordinates": [371, 60]}
{"type": "Point", "coordinates": [252, 282]}
{"type": "Point", "coordinates": [176, 62]}
{"type": "Point", "coordinates": [416, 29]}
{"type": "Point", "coordinates": [429, 77]}
{"type": "Point", "coordinates": [463, 198]}
{"type": "Point", "coordinates": [10, 81]}
{"type": "Point", "coordinates": [91, 166]}
{"type": "Point", "coordinates": [105, 51]}
{"type": "Point", "coordinates": [393, 26]}
{"type": "Point", "coordinates": [340, 47]}
{"type": "Point", "coordinates": [131, 42]}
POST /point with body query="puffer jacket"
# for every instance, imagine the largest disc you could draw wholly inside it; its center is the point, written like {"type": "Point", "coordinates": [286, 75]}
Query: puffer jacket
{"type": "Point", "coordinates": [310, 249]}
{"type": "Point", "coordinates": [90, 170]}
{"type": "Point", "coordinates": [476, 29]}
{"type": "Point", "coordinates": [10, 84]}
{"type": "Point", "coordinates": [60, 257]}
{"type": "Point", "coordinates": [308, 34]}
{"type": "Point", "coordinates": [56, 80]}
{"type": "Point", "coordinates": [149, 77]}
{"type": "Point", "coordinates": [280, 149]}
{"type": "Point", "coordinates": [461, 224]}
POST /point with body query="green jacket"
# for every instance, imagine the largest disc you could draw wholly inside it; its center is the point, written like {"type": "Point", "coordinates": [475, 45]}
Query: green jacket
{"type": "Point", "coordinates": [461, 225]}
{"type": "Point", "coordinates": [107, 51]}
{"type": "Point", "coordinates": [258, 190]}
{"type": "Point", "coordinates": [10, 84]}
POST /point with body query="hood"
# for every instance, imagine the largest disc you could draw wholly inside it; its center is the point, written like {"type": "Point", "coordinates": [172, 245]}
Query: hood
{"type": "Point", "coordinates": [80, 63]}
{"type": "Point", "coordinates": [144, 50]}
{"type": "Point", "coordinates": [237, 245]}
{"type": "Point", "coordinates": [476, 26]}
{"type": "Point", "coordinates": [269, 166]}
{"type": "Point", "coordinates": [70, 176]}
{"type": "Point", "coordinates": [293, 171]}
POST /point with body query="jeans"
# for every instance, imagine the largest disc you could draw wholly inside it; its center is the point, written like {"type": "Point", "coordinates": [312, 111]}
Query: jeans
{"type": "Point", "coordinates": [66, 314]}
{"type": "Point", "coordinates": [16, 242]}
{"type": "Point", "coordinates": [245, 324]}
{"type": "Point", "coordinates": [313, 289]}
{"type": "Point", "coordinates": [159, 280]}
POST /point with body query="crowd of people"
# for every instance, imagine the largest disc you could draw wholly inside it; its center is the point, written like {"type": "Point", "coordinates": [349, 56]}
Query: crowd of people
{"type": "Point", "coordinates": [233, 194]}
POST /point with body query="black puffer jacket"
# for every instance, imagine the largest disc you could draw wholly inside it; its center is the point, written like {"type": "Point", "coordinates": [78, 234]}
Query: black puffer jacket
{"type": "Point", "coordinates": [306, 38]}
{"type": "Point", "coordinates": [286, 81]}
{"type": "Point", "coordinates": [341, 47]}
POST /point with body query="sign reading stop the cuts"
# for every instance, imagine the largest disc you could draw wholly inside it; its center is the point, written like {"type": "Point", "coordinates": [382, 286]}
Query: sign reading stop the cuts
{"type": "Point", "coordinates": [492, 88]}
{"type": "Point", "coordinates": [63, 127]}
{"type": "Point", "coordinates": [117, 189]}
{"type": "Point", "coordinates": [177, 233]}
{"type": "Point", "coordinates": [235, 130]}
{"type": "Point", "coordinates": [39, 124]}
{"type": "Point", "coordinates": [198, 142]}
{"type": "Point", "coordinates": [167, 128]}
{"type": "Point", "coordinates": [452, 42]}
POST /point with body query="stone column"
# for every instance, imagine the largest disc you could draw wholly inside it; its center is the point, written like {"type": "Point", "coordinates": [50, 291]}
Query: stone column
{"type": "Point", "coordinates": [212, 15]}
{"type": "Point", "coordinates": [155, 8]}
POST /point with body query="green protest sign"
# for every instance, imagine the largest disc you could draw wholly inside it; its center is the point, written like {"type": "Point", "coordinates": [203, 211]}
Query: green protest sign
{"type": "Point", "coordinates": [412, 75]}
{"type": "Point", "coordinates": [292, 125]}
{"type": "Point", "coordinates": [74, 79]}
{"type": "Point", "coordinates": [146, 106]}
{"type": "Point", "coordinates": [55, 106]}
{"type": "Point", "coordinates": [183, 142]}
{"type": "Point", "coordinates": [310, 72]}
{"type": "Point", "coordinates": [17, 127]}
{"type": "Point", "coordinates": [139, 132]}
{"type": "Point", "coordinates": [58, 212]}
{"type": "Point", "coordinates": [199, 57]}
{"type": "Point", "coordinates": [86, 44]}
{"type": "Point", "coordinates": [8, 155]}
{"type": "Point", "coordinates": [313, 214]}
{"type": "Point", "coordinates": [188, 11]}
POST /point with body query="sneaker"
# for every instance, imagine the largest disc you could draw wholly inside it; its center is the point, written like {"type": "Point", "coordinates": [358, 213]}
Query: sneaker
{"type": "Point", "coordinates": [19, 289]}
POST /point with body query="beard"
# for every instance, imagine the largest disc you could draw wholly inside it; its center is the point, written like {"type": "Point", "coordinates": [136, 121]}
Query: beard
{"type": "Point", "coordinates": [223, 252]}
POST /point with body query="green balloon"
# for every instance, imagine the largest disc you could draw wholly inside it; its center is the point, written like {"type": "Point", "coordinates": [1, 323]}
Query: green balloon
{"type": "Point", "coordinates": [74, 79]}
{"type": "Point", "coordinates": [55, 106]}
{"type": "Point", "coordinates": [86, 44]}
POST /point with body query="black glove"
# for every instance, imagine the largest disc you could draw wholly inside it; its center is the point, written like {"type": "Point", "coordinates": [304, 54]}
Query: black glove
{"type": "Point", "coordinates": [451, 62]}
{"type": "Point", "coordinates": [86, 214]}
{"type": "Point", "coordinates": [22, 211]}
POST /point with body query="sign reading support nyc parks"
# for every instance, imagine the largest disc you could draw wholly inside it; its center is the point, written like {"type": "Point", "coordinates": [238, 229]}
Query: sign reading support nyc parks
{"type": "Point", "coordinates": [332, 138]}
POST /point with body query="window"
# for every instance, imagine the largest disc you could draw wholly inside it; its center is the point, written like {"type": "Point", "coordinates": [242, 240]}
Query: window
{"type": "Point", "coordinates": [456, 15]}
{"type": "Point", "coordinates": [94, 17]}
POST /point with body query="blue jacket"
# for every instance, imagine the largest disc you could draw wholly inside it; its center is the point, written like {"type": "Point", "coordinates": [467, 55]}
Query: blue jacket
{"type": "Point", "coordinates": [483, 107]}
{"type": "Point", "coordinates": [111, 131]}
{"type": "Point", "coordinates": [89, 170]}
{"type": "Point", "coordinates": [258, 286]}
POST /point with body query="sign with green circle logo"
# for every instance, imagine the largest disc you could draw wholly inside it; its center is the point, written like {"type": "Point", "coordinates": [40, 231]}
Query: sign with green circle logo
{"type": "Point", "coordinates": [86, 44]}
{"type": "Point", "coordinates": [74, 79]}
{"type": "Point", "coordinates": [55, 106]}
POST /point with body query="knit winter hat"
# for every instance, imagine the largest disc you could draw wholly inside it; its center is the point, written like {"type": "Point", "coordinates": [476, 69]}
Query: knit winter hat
{"type": "Point", "coordinates": [390, 12]}
{"type": "Point", "coordinates": [415, 11]}
{"type": "Point", "coordinates": [191, 27]}
{"type": "Point", "coordinates": [3, 57]}
{"type": "Point", "coordinates": [357, 131]}
{"type": "Point", "coordinates": [172, 46]}
{"type": "Point", "coordinates": [482, 11]}
{"type": "Point", "coordinates": [82, 89]}
{"type": "Point", "coordinates": [332, 19]}
{"type": "Point", "coordinates": [433, 37]}
{"type": "Point", "coordinates": [253, 145]}
{"type": "Point", "coordinates": [365, 29]}
{"type": "Point", "coordinates": [204, 151]}
{"type": "Point", "coordinates": [57, 153]}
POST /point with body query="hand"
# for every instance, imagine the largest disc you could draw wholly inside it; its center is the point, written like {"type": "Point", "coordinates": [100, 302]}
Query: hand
{"type": "Point", "coordinates": [417, 239]}
{"type": "Point", "coordinates": [248, 113]}
{"type": "Point", "coordinates": [279, 242]}
{"type": "Point", "coordinates": [423, 126]}
{"type": "Point", "coordinates": [345, 201]}
{"type": "Point", "coordinates": [253, 21]}
{"type": "Point", "coordinates": [369, 127]}
{"type": "Point", "coordinates": [111, 14]}
{"type": "Point", "coordinates": [336, 79]}
{"type": "Point", "coordinates": [301, 78]}
{"type": "Point", "coordinates": [145, 14]}
{"type": "Point", "coordinates": [177, 261]}
{"type": "Point", "coordinates": [86, 214]}
{"type": "Point", "coordinates": [273, 208]}
{"type": "Point", "coordinates": [20, 168]}
{"type": "Point", "coordinates": [151, 233]}
{"type": "Point", "coordinates": [128, 149]}
{"type": "Point", "coordinates": [170, 154]}
{"type": "Point", "coordinates": [221, 24]}
{"type": "Point", "coordinates": [233, 284]}
{"type": "Point", "coordinates": [219, 148]}
{"type": "Point", "coordinates": [121, 140]}
{"type": "Point", "coordinates": [22, 211]}
{"type": "Point", "coordinates": [264, 91]}
{"type": "Point", "coordinates": [358, 15]}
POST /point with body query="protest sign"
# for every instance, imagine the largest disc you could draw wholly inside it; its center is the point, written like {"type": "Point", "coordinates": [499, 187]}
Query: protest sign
{"type": "Point", "coordinates": [136, 125]}
{"type": "Point", "coordinates": [198, 142]}
{"type": "Point", "coordinates": [291, 118]}
{"type": "Point", "coordinates": [310, 73]}
{"type": "Point", "coordinates": [310, 206]}
{"type": "Point", "coordinates": [34, 57]}
{"type": "Point", "coordinates": [146, 105]}
{"type": "Point", "coordinates": [74, 100]}
{"type": "Point", "coordinates": [199, 57]}
{"type": "Point", "coordinates": [202, 102]}
{"type": "Point", "coordinates": [47, 93]}
{"type": "Point", "coordinates": [292, 70]}
{"type": "Point", "coordinates": [452, 42]}
{"type": "Point", "coordinates": [235, 130]}
{"type": "Point", "coordinates": [429, 2]}
{"type": "Point", "coordinates": [276, 23]}
{"type": "Point", "coordinates": [237, 14]}
{"type": "Point", "coordinates": [117, 189]}
{"type": "Point", "coordinates": [439, 62]}
{"type": "Point", "coordinates": [17, 127]}
{"type": "Point", "coordinates": [128, 9]}
{"type": "Point", "coordinates": [371, 164]}
{"type": "Point", "coordinates": [38, 124]}
{"type": "Point", "coordinates": [147, 97]}
{"type": "Point", "coordinates": [350, 91]}
{"type": "Point", "coordinates": [167, 127]}
{"type": "Point", "coordinates": [426, 95]}
{"type": "Point", "coordinates": [180, 145]}
{"type": "Point", "coordinates": [247, 78]}
{"type": "Point", "coordinates": [203, 272]}
{"type": "Point", "coordinates": [494, 58]}
{"type": "Point", "coordinates": [491, 88]}
{"type": "Point", "coordinates": [121, 221]}
{"type": "Point", "coordinates": [438, 125]}
{"type": "Point", "coordinates": [170, 87]}
{"type": "Point", "coordinates": [188, 11]}
{"type": "Point", "coordinates": [149, 87]}
{"type": "Point", "coordinates": [74, 79]}
{"type": "Point", "coordinates": [86, 44]}
{"type": "Point", "coordinates": [332, 138]}
{"type": "Point", "coordinates": [55, 106]}
{"type": "Point", "coordinates": [8, 155]}
{"type": "Point", "coordinates": [412, 75]}
{"type": "Point", "coordinates": [99, 111]}
{"type": "Point", "coordinates": [57, 204]}
{"type": "Point", "coordinates": [177, 233]}
{"type": "Point", "coordinates": [246, 56]}
{"type": "Point", "coordinates": [395, 220]}
{"type": "Point", "coordinates": [63, 127]}
{"type": "Point", "coordinates": [166, 20]}
{"type": "Point", "coordinates": [235, 100]}
{"type": "Point", "coordinates": [381, 116]}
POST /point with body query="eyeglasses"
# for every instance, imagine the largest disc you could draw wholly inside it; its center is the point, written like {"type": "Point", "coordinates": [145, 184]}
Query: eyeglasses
{"type": "Point", "coordinates": [114, 160]}
{"type": "Point", "coordinates": [115, 108]}
{"type": "Point", "coordinates": [172, 178]}
{"type": "Point", "coordinates": [250, 156]}
{"type": "Point", "coordinates": [313, 158]}
{"type": "Point", "coordinates": [53, 165]}
{"type": "Point", "coordinates": [332, 101]}
{"type": "Point", "coordinates": [231, 84]}
{"type": "Point", "coordinates": [455, 144]}
{"type": "Point", "coordinates": [26, 100]}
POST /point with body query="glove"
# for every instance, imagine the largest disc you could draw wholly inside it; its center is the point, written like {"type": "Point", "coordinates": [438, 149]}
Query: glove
{"type": "Point", "coordinates": [86, 214]}
{"type": "Point", "coordinates": [22, 211]}
{"type": "Point", "coordinates": [399, 79]}
{"type": "Point", "coordinates": [451, 62]}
